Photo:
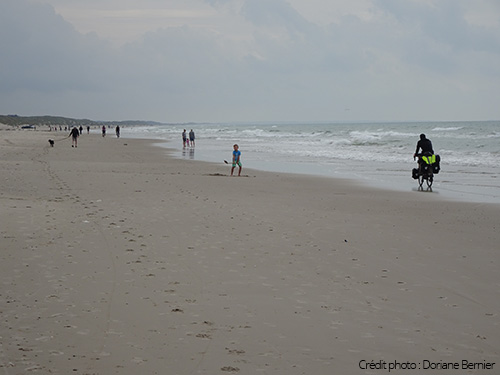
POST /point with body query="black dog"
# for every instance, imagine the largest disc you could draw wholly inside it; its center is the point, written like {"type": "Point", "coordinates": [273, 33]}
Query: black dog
{"type": "Point", "coordinates": [51, 143]}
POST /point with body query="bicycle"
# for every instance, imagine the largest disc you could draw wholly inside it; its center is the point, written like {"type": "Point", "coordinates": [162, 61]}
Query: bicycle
{"type": "Point", "coordinates": [425, 174]}
{"type": "Point", "coordinates": [428, 165]}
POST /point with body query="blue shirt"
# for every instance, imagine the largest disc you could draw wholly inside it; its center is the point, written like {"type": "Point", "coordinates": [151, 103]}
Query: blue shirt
{"type": "Point", "coordinates": [236, 155]}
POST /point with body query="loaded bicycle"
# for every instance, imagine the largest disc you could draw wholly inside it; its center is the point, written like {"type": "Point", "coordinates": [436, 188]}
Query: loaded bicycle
{"type": "Point", "coordinates": [428, 166]}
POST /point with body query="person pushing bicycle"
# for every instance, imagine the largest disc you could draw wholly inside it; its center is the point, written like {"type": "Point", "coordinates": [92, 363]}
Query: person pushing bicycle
{"type": "Point", "coordinates": [425, 145]}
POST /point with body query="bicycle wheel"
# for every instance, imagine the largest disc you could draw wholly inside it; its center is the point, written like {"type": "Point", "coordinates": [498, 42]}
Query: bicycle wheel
{"type": "Point", "coordinates": [430, 179]}
{"type": "Point", "coordinates": [420, 180]}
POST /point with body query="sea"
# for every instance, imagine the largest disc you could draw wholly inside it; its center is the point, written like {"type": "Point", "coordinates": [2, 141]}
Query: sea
{"type": "Point", "coordinates": [378, 154]}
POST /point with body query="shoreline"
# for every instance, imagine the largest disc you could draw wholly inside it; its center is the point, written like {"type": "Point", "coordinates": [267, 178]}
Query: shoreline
{"type": "Point", "coordinates": [118, 258]}
{"type": "Point", "coordinates": [446, 184]}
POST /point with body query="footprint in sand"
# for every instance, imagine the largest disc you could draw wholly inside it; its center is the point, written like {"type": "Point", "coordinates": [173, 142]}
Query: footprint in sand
{"type": "Point", "coordinates": [204, 336]}
{"type": "Point", "coordinates": [230, 369]}
{"type": "Point", "coordinates": [235, 351]}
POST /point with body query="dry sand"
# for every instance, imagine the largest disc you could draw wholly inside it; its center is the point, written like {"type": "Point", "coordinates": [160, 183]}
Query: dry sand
{"type": "Point", "coordinates": [117, 259]}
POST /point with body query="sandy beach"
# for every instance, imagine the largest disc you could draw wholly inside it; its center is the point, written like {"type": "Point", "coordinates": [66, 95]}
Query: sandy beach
{"type": "Point", "coordinates": [118, 259]}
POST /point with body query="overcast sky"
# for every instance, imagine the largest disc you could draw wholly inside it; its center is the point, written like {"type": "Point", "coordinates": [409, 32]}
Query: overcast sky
{"type": "Point", "coordinates": [251, 60]}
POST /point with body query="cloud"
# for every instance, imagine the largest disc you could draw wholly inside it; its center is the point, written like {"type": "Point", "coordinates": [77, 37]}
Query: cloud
{"type": "Point", "coordinates": [44, 52]}
{"type": "Point", "coordinates": [219, 2]}
{"type": "Point", "coordinates": [252, 60]}
{"type": "Point", "coordinates": [436, 37]}
{"type": "Point", "coordinates": [273, 13]}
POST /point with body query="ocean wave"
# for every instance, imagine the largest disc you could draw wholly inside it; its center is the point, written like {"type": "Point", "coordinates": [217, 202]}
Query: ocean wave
{"type": "Point", "coordinates": [452, 128]}
{"type": "Point", "coordinates": [474, 144]}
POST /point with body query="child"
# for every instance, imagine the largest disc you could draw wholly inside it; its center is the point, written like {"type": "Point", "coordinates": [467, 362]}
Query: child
{"type": "Point", "coordinates": [236, 159]}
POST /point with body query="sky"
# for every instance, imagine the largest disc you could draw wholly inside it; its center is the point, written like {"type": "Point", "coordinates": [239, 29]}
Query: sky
{"type": "Point", "coordinates": [251, 60]}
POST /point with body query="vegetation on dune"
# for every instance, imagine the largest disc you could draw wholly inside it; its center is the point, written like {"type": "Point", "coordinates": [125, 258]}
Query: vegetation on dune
{"type": "Point", "coordinates": [15, 120]}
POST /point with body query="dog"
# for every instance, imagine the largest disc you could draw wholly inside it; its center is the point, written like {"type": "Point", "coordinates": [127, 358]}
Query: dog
{"type": "Point", "coordinates": [51, 141]}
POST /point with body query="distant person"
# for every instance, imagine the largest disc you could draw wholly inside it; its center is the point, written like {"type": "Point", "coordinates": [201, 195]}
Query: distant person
{"type": "Point", "coordinates": [88, 129]}
{"type": "Point", "coordinates": [423, 144]}
{"type": "Point", "coordinates": [184, 138]}
{"type": "Point", "coordinates": [74, 137]}
{"type": "Point", "coordinates": [103, 131]}
{"type": "Point", "coordinates": [424, 148]}
{"type": "Point", "coordinates": [236, 159]}
{"type": "Point", "coordinates": [191, 137]}
{"type": "Point", "coordinates": [81, 130]}
{"type": "Point", "coordinates": [117, 130]}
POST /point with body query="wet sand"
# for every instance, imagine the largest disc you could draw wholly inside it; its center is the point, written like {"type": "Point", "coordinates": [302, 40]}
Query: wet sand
{"type": "Point", "coordinates": [117, 259]}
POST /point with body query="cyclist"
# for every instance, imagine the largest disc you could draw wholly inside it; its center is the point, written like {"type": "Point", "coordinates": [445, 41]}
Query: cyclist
{"type": "Point", "coordinates": [423, 144]}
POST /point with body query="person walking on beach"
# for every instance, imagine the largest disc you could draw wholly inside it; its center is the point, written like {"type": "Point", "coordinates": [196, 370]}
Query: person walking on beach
{"type": "Point", "coordinates": [88, 129]}
{"type": "Point", "coordinates": [236, 159]}
{"type": "Point", "coordinates": [117, 131]}
{"type": "Point", "coordinates": [191, 137]}
{"type": "Point", "coordinates": [74, 133]}
{"type": "Point", "coordinates": [184, 138]}
{"type": "Point", "coordinates": [103, 131]}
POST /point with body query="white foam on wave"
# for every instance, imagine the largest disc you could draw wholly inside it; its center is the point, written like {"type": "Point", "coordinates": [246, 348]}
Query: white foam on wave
{"type": "Point", "coordinates": [357, 148]}
{"type": "Point", "coordinates": [452, 128]}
